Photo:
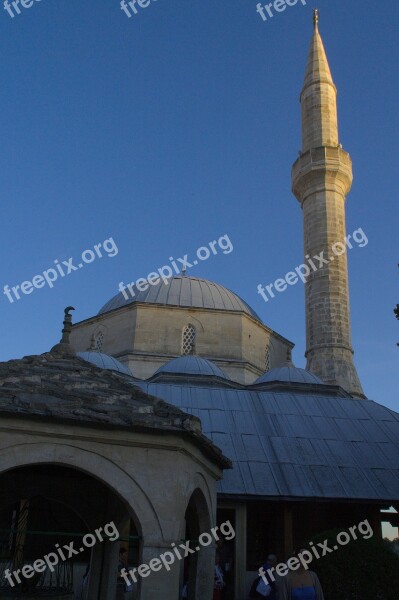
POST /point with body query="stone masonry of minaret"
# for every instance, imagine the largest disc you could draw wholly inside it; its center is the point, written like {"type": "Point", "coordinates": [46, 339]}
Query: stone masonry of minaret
{"type": "Point", "coordinates": [321, 180]}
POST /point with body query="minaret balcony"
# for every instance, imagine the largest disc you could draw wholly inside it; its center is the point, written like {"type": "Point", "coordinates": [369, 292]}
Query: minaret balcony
{"type": "Point", "coordinates": [327, 168]}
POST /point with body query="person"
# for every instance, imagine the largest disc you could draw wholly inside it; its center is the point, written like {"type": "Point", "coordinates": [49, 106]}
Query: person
{"type": "Point", "coordinates": [121, 587]}
{"type": "Point", "coordinates": [122, 563]}
{"type": "Point", "coordinates": [271, 561]}
{"type": "Point", "coordinates": [226, 552]}
{"type": "Point", "coordinates": [186, 577]}
{"type": "Point", "coordinates": [219, 582]}
{"type": "Point", "coordinates": [300, 584]}
{"type": "Point", "coordinates": [85, 583]}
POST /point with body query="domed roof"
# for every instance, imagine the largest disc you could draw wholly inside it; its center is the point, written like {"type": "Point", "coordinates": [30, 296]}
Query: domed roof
{"type": "Point", "coordinates": [289, 375]}
{"type": "Point", "coordinates": [183, 291]}
{"type": "Point", "coordinates": [104, 361]}
{"type": "Point", "coordinates": [192, 365]}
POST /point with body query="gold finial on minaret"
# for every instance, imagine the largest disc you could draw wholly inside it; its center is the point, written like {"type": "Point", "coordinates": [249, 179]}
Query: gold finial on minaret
{"type": "Point", "coordinates": [315, 17]}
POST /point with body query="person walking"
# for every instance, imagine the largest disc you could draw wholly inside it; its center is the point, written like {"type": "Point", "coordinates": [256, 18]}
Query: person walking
{"type": "Point", "coordinates": [219, 582]}
{"type": "Point", "coordinates": [300, 584]}
{"type": "Point", "coordinates": [271, 561]}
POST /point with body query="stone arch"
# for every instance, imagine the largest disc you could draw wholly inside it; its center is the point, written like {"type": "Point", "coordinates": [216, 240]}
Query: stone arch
{"type": "Point", "coordinates": [199, 483]}
{"type": "Point", "coordinates": [199, 568]}
{"type": "Point", "coordinates": [94, 465]}
{"type": "Point", "coordinates": [197, 323]}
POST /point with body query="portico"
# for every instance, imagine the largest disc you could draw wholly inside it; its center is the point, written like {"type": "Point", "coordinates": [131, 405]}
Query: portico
{"type": "Point", "coordinates": [72, 464]}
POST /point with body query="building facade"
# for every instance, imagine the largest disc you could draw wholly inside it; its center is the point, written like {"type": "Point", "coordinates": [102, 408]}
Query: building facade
{"type": "Point", "coordinates": [134, 410]}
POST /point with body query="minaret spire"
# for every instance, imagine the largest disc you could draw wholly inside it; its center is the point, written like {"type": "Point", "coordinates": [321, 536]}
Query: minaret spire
{"type": "Point", "coordinates": [321, 180]}
{"type": "Point", "coordinates": [315, 18]}
{"type": "Point", "coordinates": [318, 97]}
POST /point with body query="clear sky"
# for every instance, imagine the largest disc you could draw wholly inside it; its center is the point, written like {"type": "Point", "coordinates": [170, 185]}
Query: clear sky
{"type": "Point", "coordinates": [171, 128]}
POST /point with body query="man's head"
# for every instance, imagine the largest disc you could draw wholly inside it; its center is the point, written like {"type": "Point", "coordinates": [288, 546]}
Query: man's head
{"type": "Point", "coordinates": [272, 560]}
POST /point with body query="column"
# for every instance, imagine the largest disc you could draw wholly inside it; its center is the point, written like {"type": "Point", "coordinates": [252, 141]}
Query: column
{"type": "Point", "coordinates": [288, 530]}
{"type": "Point", "coordinates": [241, 551]}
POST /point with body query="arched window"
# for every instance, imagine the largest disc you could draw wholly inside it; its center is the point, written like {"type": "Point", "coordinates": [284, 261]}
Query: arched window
{"type": "Point", "coordinates": [188, 339]}
{"type": "Point", "coordinates": [267, 359]}
{"type": "Point", "coordinates": [98, 343]}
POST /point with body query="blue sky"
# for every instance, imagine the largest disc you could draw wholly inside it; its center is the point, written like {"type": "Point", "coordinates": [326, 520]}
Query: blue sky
{"type": "Point", "coordinates": [169, 129]}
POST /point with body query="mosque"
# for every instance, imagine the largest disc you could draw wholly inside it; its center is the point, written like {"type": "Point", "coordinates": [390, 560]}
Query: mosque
{"type": "Point", "coordinates": [179, 409]}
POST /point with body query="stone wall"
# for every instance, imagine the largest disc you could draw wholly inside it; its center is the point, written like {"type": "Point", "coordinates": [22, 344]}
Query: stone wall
{"type": "Point", "coordinates": [145, 337]}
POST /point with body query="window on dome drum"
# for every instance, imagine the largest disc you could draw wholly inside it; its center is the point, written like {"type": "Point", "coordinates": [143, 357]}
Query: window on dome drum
{"type": "Point", "coordinates": [267, 359]}
{"type": "Point", "coordinates": [99, 342]}
{"type": "Point", "coordinates": [188, 339]}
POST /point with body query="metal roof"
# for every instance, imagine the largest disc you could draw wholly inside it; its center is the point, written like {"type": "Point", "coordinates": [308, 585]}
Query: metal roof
{"type": "Point", "coordinates": [104, 361]}
{"type": "Point", "coordinates": [183, 291]}
{"type": "Point", "coordinates": [192, 365]}
{"type": "Point", "coordinates": [61, 387]}
{"type": "Point", "coordinates": [289, 374]}
{"type": "Point", "coordinates": [303, 445]}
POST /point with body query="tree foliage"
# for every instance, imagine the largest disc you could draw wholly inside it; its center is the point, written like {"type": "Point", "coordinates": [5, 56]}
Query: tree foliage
{"type": "Point", "coordinates": [365, 569]}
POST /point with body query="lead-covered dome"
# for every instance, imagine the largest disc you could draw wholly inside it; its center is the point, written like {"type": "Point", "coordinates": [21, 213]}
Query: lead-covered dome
{"type": "Point", "coordinates": [104, 361]}
{"type": "Point", "coordinates": [289, 374]}
{"type": "Point", "coordinates": [191, 365]}
{"type": "Point", "coordinates": [185, 292]}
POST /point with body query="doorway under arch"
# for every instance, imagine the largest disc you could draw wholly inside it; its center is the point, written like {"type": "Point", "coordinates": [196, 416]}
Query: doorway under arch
{"type": "Point", "coordinates": [72, 518]}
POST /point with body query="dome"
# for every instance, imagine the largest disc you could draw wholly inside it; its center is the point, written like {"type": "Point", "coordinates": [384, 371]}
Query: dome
{"type": "Point", "coordinates": [104, 361]}
{"type": "Point", "coordinates": [289, 375]}
{"type": "Point", "coordinates": [192, 365]}
{"type": "Point", "coordinates": [183, 291]}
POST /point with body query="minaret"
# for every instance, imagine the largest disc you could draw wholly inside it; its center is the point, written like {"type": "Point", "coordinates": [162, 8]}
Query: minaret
{"type": "Point", "coordinates": [321, 179]}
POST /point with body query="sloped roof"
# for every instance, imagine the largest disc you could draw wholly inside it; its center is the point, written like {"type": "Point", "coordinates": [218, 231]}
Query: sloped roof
{"type": "Point", "coordinates": [66, 388]}
{"type": "Point", "coordinates": [302, 445]}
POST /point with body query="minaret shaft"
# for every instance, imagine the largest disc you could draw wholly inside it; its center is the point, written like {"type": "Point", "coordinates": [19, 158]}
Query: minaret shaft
{"type": "Point", "coordinates": [322, 177]}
